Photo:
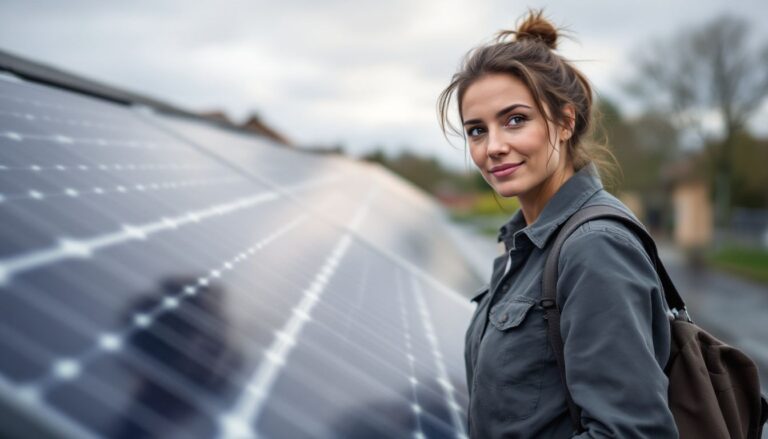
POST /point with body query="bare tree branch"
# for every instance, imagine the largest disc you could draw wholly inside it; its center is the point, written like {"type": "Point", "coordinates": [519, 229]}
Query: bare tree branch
{"type": "Point", "coordinates": [712, 69]}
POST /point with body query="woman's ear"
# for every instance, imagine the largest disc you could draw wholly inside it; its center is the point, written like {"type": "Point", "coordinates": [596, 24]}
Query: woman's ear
{"type": "Point", "coordinates": [569, 122]}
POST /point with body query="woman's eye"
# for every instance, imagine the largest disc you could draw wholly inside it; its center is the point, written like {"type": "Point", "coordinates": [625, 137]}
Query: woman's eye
{"type": "Point", "coordinates": [474, 131]}
{"type": "Point", "coordinates": [516, 120]}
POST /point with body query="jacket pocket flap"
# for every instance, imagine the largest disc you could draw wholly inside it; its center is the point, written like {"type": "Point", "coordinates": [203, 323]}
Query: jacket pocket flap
{"type": "Point", "coordinates": [510, 313]}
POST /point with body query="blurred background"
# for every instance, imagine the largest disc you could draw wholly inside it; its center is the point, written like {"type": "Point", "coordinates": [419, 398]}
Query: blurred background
{"type": "Point", "coordinates": [682, 89]}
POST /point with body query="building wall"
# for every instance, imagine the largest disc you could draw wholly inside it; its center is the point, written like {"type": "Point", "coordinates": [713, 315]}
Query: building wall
{"type": "Point", "coordinates": [693, 215]}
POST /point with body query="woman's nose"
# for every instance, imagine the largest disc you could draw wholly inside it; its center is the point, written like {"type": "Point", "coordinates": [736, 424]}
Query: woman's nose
{"type": "Point", "coordinates": [497, 145]}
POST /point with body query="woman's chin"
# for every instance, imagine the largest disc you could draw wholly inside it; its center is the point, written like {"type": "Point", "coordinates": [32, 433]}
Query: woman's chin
{"type": "Point", "coordinates": [507, 192]}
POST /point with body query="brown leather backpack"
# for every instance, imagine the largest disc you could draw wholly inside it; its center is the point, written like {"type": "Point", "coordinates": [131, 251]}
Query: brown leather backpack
{"type": "Point", "coordinates": [714, 389]}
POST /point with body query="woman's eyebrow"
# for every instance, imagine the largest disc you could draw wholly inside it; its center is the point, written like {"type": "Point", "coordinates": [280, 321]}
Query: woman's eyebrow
{"type": "Point", "coordinates": [502, 112]}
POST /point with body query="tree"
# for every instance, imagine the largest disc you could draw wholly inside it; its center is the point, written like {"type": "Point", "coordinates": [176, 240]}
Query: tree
{"type": "Point", "coordinates": [750, 181]}
{"type": "Point", "coordinates": [427, 172]}
{"type": "Point", "coordinates": [640, 145]}
{"type": "Point", "coordinates": [706, 71]}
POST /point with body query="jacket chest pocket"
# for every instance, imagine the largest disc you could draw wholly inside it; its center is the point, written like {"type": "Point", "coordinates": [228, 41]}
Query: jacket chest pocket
{"type": "Point", "coordinates": [511, 359]}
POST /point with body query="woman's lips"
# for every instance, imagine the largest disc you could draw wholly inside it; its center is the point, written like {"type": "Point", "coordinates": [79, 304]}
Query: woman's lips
{"type": "Point", "coordinates": [506, 169]}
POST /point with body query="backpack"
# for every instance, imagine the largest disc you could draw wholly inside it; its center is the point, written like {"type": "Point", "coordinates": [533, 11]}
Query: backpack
{"type": "Point", "coordinates": [714, 389]}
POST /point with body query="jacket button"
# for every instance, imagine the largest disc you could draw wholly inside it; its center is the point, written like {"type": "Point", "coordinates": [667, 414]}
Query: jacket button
{"type": "Point", "coordinates": [503, 318]}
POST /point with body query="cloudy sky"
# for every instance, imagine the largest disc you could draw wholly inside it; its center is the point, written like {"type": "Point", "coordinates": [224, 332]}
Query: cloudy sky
{"type": "Point", "coordinates": [357, 73]}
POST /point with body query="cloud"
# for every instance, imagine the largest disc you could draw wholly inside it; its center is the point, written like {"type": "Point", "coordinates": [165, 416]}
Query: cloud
{"type": "Point", "coordinates": [359, 73]}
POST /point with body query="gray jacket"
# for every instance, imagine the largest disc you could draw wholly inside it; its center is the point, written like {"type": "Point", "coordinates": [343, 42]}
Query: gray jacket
{"type": "Point", "coordinates": [614, 328]}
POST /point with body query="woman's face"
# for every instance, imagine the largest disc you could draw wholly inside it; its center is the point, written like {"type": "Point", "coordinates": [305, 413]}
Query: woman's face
{"type": "Point", "coordinates": [507, 136]}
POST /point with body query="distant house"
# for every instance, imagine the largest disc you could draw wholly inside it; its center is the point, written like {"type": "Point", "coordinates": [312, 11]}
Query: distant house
{"type": "Point", "coordinates": [253, 124]}
{"type": "Point", "coordinates": [256, 125]}
{"type": "Point", "coordinates": [218, 116]}
{"type": "Point", "coordinates": [456, 201]}
{"type": "Point", "coordinates": [691, 201]}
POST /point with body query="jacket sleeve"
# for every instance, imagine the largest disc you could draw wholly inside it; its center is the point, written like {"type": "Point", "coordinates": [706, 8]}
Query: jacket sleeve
{"type": "Point", "coordinates": [615, 334]}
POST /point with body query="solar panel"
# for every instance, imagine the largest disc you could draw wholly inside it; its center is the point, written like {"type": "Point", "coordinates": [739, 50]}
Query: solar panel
{"type": "Point", "coordinates": [402, 220]}
{"type": "Point", "coordinates": [167, 277]}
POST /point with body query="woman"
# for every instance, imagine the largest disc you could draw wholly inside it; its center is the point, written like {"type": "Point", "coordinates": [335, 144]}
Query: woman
{"type": "Point", "coordinates": [525, 111]}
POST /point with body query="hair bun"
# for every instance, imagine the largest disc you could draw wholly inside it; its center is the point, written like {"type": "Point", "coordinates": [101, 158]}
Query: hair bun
{"type": "Point", "coordinates": [534, 27]}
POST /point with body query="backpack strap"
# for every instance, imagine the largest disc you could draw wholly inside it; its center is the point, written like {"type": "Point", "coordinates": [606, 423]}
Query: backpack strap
{"type": "Point", "coordinates": [549, 284]}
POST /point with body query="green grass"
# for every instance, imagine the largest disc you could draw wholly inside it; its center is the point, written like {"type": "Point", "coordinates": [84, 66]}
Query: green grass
{"type": "Point", "coordinates": [492, 231]}
{"type": "Point", "coordinates": [487, 213]}
{"type": "Point", "coordinates": [747, 262]}
{"type": "Point", "coordinates": [487, 206]}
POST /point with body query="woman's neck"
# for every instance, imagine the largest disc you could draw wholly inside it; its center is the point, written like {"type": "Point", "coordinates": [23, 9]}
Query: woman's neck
{"type": "Point", "coordinates": [532, 203]}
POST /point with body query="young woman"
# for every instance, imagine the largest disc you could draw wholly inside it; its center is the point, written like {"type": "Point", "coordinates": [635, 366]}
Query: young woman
{"type": "Point", "coordinates": [525, 111]}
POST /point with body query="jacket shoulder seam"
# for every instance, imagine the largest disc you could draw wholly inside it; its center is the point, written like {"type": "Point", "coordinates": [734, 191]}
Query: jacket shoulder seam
{"type": "Point", "coordinates": [612, 230]}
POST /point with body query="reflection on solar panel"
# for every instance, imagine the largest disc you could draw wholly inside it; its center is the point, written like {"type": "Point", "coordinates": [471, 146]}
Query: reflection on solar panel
{"type": "Point", "coordinates": [165, 277]}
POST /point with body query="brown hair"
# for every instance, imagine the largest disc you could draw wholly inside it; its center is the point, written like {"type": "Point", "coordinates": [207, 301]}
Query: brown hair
{"type": "Point", "coordinates": [528, 54]}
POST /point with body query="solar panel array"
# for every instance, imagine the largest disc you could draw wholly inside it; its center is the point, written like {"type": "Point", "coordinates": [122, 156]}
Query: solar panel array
{"type": "Point", "coordinates": [168, 277]}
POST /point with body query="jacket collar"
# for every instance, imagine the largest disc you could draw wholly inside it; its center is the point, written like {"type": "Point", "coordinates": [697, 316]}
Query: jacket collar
{"type": "Point", "coordinates": [480, 292]}
{"type": "Point", "coordinates": [566, 201]}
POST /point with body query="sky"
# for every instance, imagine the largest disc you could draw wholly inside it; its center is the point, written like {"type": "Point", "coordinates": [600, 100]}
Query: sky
{"type": "Point", "coordinates": [361, 74]}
